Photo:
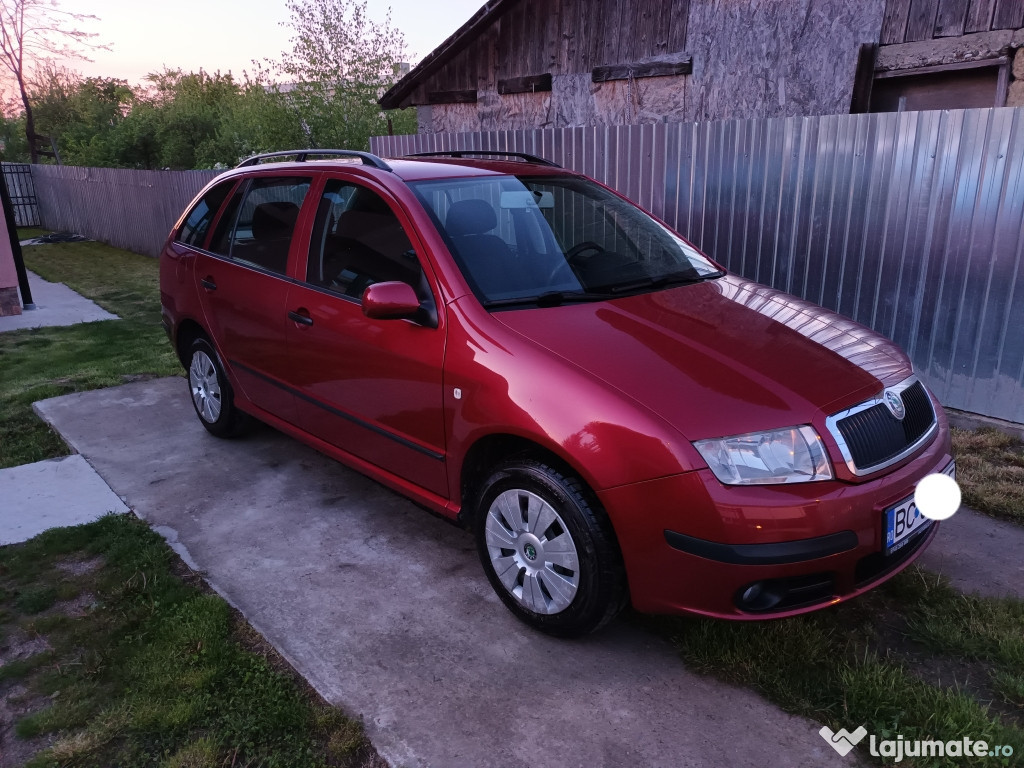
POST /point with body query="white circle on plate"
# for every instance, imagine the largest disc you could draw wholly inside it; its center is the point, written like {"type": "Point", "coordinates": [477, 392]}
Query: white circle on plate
{"type": "Point", "coordinates": [937, 496]}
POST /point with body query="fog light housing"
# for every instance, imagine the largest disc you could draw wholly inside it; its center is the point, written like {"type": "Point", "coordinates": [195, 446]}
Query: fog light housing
{"type": "Point", "coordinates": [759, 596]}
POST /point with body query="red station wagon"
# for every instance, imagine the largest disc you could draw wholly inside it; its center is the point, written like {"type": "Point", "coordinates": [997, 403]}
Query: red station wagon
{"type": "Point", "coordinates": [515, 346]}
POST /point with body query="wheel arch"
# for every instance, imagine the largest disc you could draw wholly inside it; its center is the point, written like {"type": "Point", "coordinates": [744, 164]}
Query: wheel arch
{"type": "Point", "coordinates": [491, 449]}
{"type": "Point", "coordinates": [188, 331]}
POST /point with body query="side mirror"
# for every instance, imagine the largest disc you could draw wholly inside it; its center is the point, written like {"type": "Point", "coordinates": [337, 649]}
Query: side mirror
{"type": "Point", "coordinates": [390, 301]}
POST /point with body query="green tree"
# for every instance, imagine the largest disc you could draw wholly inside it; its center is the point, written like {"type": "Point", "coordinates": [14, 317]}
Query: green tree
{"type": "Point", "coordinates": [262, 119]}
{"type": "Point", "coordinates": [80, 114]}
{"type": "Point", "coordinates": [190, 110]}
{"type": "Point", "coordinates": [32, 31]}
{"type": "Point", "coordinates": [13, 147]}
{"type": "Point", "coordinates": [340, 63]}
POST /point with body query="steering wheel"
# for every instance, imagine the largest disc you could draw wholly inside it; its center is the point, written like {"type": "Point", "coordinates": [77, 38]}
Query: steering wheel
{"type": "Point", "coordinates": [574, 253]}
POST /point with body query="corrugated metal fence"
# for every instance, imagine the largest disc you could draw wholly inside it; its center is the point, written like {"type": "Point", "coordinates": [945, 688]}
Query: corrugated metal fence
{"type": "Point", "coordinates": [909, 223]}
{"type": "Point", "coordinates": [129, 209]}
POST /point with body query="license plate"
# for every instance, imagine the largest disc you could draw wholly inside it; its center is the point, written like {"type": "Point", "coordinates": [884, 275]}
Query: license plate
{"type": "Point", "coordinates": [904, 521]}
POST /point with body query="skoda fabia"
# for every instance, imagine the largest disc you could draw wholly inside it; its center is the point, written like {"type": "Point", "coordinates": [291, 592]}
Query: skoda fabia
{"type": "Point", "coordinates": [616, 417]}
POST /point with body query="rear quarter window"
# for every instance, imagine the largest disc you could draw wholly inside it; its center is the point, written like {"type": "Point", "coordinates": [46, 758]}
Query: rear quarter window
{"type": "Point", "coordinates": [197, 221]}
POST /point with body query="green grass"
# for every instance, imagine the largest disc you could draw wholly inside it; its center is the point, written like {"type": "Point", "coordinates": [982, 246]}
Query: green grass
{"type": "Point", "coordinates": [47, 362]}
{"type": "Point", "coordinates": [154, 671]}
{"type": "Point", "coordinates": [990, 470]}
{"type": "Point", "coordinates": [914, 657]}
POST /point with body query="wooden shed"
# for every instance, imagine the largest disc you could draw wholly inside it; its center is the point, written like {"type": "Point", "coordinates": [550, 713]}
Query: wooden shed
{"type": "Point", "coordinates": [553, 63]}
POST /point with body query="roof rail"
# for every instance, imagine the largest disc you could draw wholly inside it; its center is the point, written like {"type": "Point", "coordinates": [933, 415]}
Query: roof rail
{"type": "Point", "coordinates": [300, 156]}
{"type": "Point", "coordinates": [486, 153]}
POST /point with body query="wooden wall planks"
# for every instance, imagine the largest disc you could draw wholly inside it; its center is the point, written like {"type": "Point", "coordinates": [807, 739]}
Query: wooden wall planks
{"type": "Point", "coordinates": [1008, 14]}
{"type": "Point", "coordinates": [563, 36]}
{"type": "Point", "coordinates": [908, 21]}
{"type": "Point", "coordinates": [894, 22]}
{"type": "Point", "coordinates": [921, 22]}
{"type": "Point", "coordinates": [951, 18]}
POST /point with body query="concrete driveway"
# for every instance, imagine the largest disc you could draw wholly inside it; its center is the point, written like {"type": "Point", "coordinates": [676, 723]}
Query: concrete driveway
{"type": "Point", "coordinates": [386, 611]}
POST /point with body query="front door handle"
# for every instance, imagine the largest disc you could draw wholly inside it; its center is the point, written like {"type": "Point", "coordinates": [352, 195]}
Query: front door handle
{"type": "Point", "coordinates": [208, 284]}
{"type": "Point", "coordinates": [301, 316]}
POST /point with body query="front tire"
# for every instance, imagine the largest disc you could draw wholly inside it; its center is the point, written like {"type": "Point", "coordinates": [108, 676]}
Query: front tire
{"type": "Point", "coordinates": [212, 396]}
{"type": "Point", "coordinates": [548, 550]}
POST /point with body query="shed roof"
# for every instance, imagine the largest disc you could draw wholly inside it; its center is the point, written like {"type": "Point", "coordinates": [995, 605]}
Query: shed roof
{"type": "Point", "coordinates": [444, 53]}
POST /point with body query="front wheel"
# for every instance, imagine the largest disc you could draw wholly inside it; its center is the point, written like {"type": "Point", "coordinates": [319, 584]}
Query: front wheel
{"type": "Point", "coordinates": [548, 551]}
{"type": "Point", "coordinates": [212, 396]}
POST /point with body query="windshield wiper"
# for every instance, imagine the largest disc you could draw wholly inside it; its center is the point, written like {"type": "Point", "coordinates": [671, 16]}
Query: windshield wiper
{"type": "Point", "coordinates": [550, 299]}
{"type": "Point", "coordinates": [662, 281]}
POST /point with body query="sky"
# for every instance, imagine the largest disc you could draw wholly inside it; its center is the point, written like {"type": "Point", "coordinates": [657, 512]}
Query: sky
{"type": "Point", "coordinates": [228, 34]}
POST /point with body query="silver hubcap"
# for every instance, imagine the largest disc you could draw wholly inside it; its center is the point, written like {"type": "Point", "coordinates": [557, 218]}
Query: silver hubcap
{"type": "Point", "coordinates": [532, 552]}
{"type": "Point", "coordinates": [202, 377]}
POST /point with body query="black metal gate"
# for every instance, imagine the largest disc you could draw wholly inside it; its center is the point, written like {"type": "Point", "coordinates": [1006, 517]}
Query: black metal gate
{"type": "Point", "coordinates": [23, 193]}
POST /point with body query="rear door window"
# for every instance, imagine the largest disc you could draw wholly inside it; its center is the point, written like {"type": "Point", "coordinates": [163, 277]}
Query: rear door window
{"type": "Point", "coordinates": [258, 225]}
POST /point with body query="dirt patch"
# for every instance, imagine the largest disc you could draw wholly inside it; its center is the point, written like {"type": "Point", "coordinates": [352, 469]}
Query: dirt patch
{"type": "Point", "coordinates": [20, 645]}
{"type": "Point", "coordinates": [128, 378]}
{"type": "Point", "coordinates": [75, 608]}
{"type": "Point", "coordinates": [79, 567]}
{"type": "Point", "coordinates": [14, 704]}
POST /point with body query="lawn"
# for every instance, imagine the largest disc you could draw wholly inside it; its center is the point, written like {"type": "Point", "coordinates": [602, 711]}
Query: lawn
{"type": "Point", "coordinates": [990, 469]}
{"type": "Point", "coordinates": [46, 362]}
{"type": "Point", "coordinates": [116, 655]}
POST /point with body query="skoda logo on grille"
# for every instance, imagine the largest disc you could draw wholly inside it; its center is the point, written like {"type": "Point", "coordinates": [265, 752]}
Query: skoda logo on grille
{"type": "Point", "coordinates": [895, 405]}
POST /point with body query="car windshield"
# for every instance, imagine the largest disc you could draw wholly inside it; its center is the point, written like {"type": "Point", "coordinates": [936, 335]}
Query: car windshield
{"type": "Point", "coordinates": [555, 239]}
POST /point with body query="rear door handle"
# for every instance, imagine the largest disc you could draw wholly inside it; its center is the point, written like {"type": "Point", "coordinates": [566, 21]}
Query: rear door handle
{"type": "Point", "coordinates": [301, 316]}
{"type": "Point", "coordinates": [208, 284]}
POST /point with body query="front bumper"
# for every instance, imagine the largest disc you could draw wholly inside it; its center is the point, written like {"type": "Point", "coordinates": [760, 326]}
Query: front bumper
{"type": "Point", "coordinates": [693, 545]}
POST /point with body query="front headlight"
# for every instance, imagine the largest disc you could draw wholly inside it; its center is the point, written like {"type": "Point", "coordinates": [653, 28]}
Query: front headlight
{"type": "Point", "coordinates": [792, 455]}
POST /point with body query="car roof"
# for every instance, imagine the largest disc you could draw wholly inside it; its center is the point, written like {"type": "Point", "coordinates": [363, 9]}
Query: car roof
{"type": "Point", "coordinates": [416, 169]}
{"type": "Point", "coordinates": [422, 168]}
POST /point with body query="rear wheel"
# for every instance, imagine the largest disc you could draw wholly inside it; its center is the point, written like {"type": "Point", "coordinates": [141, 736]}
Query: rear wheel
{"type": "Point", "coordinates": [548, 551]}
{"type": "Point", "coordinates": [212, 396]}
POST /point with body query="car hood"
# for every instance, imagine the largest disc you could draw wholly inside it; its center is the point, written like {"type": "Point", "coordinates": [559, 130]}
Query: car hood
{"type": "Point", "coordinates": [722, 357]}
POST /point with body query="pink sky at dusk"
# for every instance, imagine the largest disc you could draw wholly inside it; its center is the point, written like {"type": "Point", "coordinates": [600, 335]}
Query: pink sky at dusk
{"type": "Point", "coordinates": [228, 34]}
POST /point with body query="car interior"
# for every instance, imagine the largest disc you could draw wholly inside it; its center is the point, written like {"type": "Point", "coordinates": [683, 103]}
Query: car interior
{"type": "Point", "coordinates": [362, 244]}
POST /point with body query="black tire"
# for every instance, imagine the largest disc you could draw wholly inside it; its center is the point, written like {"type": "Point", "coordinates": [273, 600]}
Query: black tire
{"type": "Point", "coordinates": [210, 391]}
{"type": "Point", "coordinates": [595, 590]}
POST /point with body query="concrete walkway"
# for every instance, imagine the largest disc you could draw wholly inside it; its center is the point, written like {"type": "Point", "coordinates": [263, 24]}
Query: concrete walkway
{"type": "Point", "coordinates": [56, 304]}
{"type": "Point", "coordinates": [979, 555]}
{"type": "Point", "coordinates": [50, 494]}
{"type": "Point", "coordinates": [386, 611]}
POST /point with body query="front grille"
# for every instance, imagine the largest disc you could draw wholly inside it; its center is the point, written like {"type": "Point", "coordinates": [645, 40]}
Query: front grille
{"type": "Point", "coordinates": [874, 436]}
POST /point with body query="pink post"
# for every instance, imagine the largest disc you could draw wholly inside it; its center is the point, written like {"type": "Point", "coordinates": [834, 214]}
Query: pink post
{"type": "Point", "coordinates": [10, 302]}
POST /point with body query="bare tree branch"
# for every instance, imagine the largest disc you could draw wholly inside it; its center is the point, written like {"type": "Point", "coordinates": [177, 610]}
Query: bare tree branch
{"type": "Point", "coordinates": [32, 31]}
